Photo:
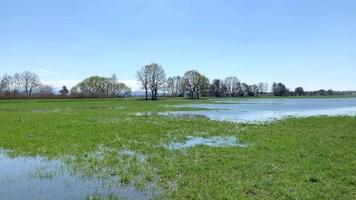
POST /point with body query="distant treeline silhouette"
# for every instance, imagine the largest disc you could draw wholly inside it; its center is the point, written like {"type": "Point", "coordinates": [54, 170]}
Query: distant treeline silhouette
{"type": "Point", "coordinates": [152, 78]}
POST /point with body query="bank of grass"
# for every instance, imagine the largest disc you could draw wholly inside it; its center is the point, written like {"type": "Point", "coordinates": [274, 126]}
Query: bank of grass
{"type": "Point", "coordinates": [305, 158]}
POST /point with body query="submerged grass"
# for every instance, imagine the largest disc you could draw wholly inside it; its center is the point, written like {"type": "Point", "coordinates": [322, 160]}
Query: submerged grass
{"type": "Point", "coordinates": [304, 158]}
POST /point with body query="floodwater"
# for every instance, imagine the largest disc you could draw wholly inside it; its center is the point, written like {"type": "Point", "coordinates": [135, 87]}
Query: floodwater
{"type": "Point", "coordinates": [39, 178]}
{"type": "Point", "coordinates": [216, 141]}
{"type": "Point", "coordinates": [261, 110]}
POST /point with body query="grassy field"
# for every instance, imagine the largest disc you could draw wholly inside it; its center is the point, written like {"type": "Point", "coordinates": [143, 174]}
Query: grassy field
{"type": "Point", "coordinates": [306, 158]}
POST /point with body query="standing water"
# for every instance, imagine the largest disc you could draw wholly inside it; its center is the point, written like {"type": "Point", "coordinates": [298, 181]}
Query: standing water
{"type": "Point", "coordinates": [260, 110]}
{"type": "Point", "coordinates": [39, 178]}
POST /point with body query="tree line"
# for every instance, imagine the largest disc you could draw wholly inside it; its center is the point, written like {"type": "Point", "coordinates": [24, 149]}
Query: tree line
{"type": "Point", "coordinates": [193, 84]}
{"type": "Point", "coordinates": [28, 85]}
{"type": "Point", "coordinates": [152, 79]}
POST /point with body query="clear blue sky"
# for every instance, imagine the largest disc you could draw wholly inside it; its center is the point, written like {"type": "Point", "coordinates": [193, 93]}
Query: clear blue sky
{"type": "Point", "coordinates": [311, 43]}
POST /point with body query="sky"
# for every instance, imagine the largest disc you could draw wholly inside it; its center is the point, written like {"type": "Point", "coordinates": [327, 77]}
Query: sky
{"type": "Point", "coordinates": [309, 43]}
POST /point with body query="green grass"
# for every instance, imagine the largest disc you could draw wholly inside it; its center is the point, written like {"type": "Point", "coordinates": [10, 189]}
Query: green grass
{"type": "Point", "coordinates": [305, 158]}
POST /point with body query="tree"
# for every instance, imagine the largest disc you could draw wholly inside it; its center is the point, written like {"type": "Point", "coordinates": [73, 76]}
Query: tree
{"type": "Point", "coordinates": [156, 78]}
{"type": "Point", "coordinates": [321, 92]}
{"type": "Point", "coordinates": [170, 86]}
{"type": "Point", "coordinates": [30, 81]}
{"type": "Point", "coordinates": [195, 84]}
{"type": "Point", "coordinates": [96, 86]}
{"type": "Point", "coordinates": [121, 90]}
{"type": "Point", "coordinates": [279, 89]}
{"type": "Point", "coordinates": [233, 86]}
{"type": "Point", "coordinates": [262, 87]}
{"type": "Point", "coordinates": [330, 92]}
{"type": "Point", "coordinates": [299, 91]}
{"type": "Point", "coordinates": [64, 91]}
{"type": "Point", "coordinates": [203, 86]}
{"type": "Point", "coordinates": [253, 90]}
{"type": "Point", "coordinates": [151, 77]}
{"type": "Point", "coordinates": [218, 88]}
{"type": "Point", "coordinates": [5, 84]}
{"type": "Point", "coordinates": [45, 90]}
{"type": "Point", "coordinates": [142, 77]}
{"type": "Point", "coordinates": [191, 82]}
{"type": "Point", "coordinates": [75, 91]}
{"type": "Point", "coordinates": [111, 86]}
{"type": "Point", "coordinates": [245, 90]}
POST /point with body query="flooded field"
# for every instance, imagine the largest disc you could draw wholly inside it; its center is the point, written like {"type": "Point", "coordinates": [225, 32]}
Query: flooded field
{"type": "Point", "coordinates": [260, 110]}
{"type": "Point", "coordinates": [40, 178]}
{"type": "Point", "coordinates": [170, 149]}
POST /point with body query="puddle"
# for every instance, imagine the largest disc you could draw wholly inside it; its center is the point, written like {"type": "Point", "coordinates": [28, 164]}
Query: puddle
{"type": "Point", "coordinates": [217, 141]}
{"type": "Point", "coordinates": [264, 110]}
{"type": "Point", "coordinates": [39, 178]}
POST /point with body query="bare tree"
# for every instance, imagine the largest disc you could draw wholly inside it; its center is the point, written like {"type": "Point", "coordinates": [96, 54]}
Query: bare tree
{"type": "Point", "coordinates": [5, 82]}
{"type": "Point", "coordinates": [233, 86]}
{"type": "Point", "coordinates": [156, 78]}
{"type": "Point", "coordinates": [170, 86]}
{"type": "Point", "coordinates": [29, 81]}
{"type": "Point", "coordinates": [191, 82]}
{"type": "Point", "coordinates": [175, 86]}
{"type": "Point", "coordinates": [262, 87]}
{"type": "Point", "coordinates": [253, 90]}
{"type": "Point", "coordinates": [143, 79]}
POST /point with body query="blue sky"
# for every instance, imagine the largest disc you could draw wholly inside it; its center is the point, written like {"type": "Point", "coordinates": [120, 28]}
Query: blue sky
{"type": "Point", "coordinates": [310, 43]}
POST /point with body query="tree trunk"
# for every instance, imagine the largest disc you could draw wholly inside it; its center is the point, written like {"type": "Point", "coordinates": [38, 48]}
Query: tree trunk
{"type": "Point", "coordinates": [155, 94]}
{"type": "Point", "coordinates": [152, 95]}
{"type": "Point", "coordinates": [146, 93]}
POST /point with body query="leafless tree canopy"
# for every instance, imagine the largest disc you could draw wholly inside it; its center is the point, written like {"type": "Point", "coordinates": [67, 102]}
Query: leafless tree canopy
{"type": "Point", "coordinates": [262, 87]}
{"type": "Point", "coordinates": [233, 86]}
{"type": "Point", "coordinates": [142, 77]}
{"type": "Point", "coordinates": [175, 86]}
{"type": "Point", "coordinates": [152, 77]}
{"type": "Point", "coordinates": [30, 81]}
{"type": "Point", "coordinates": [24, 84]}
